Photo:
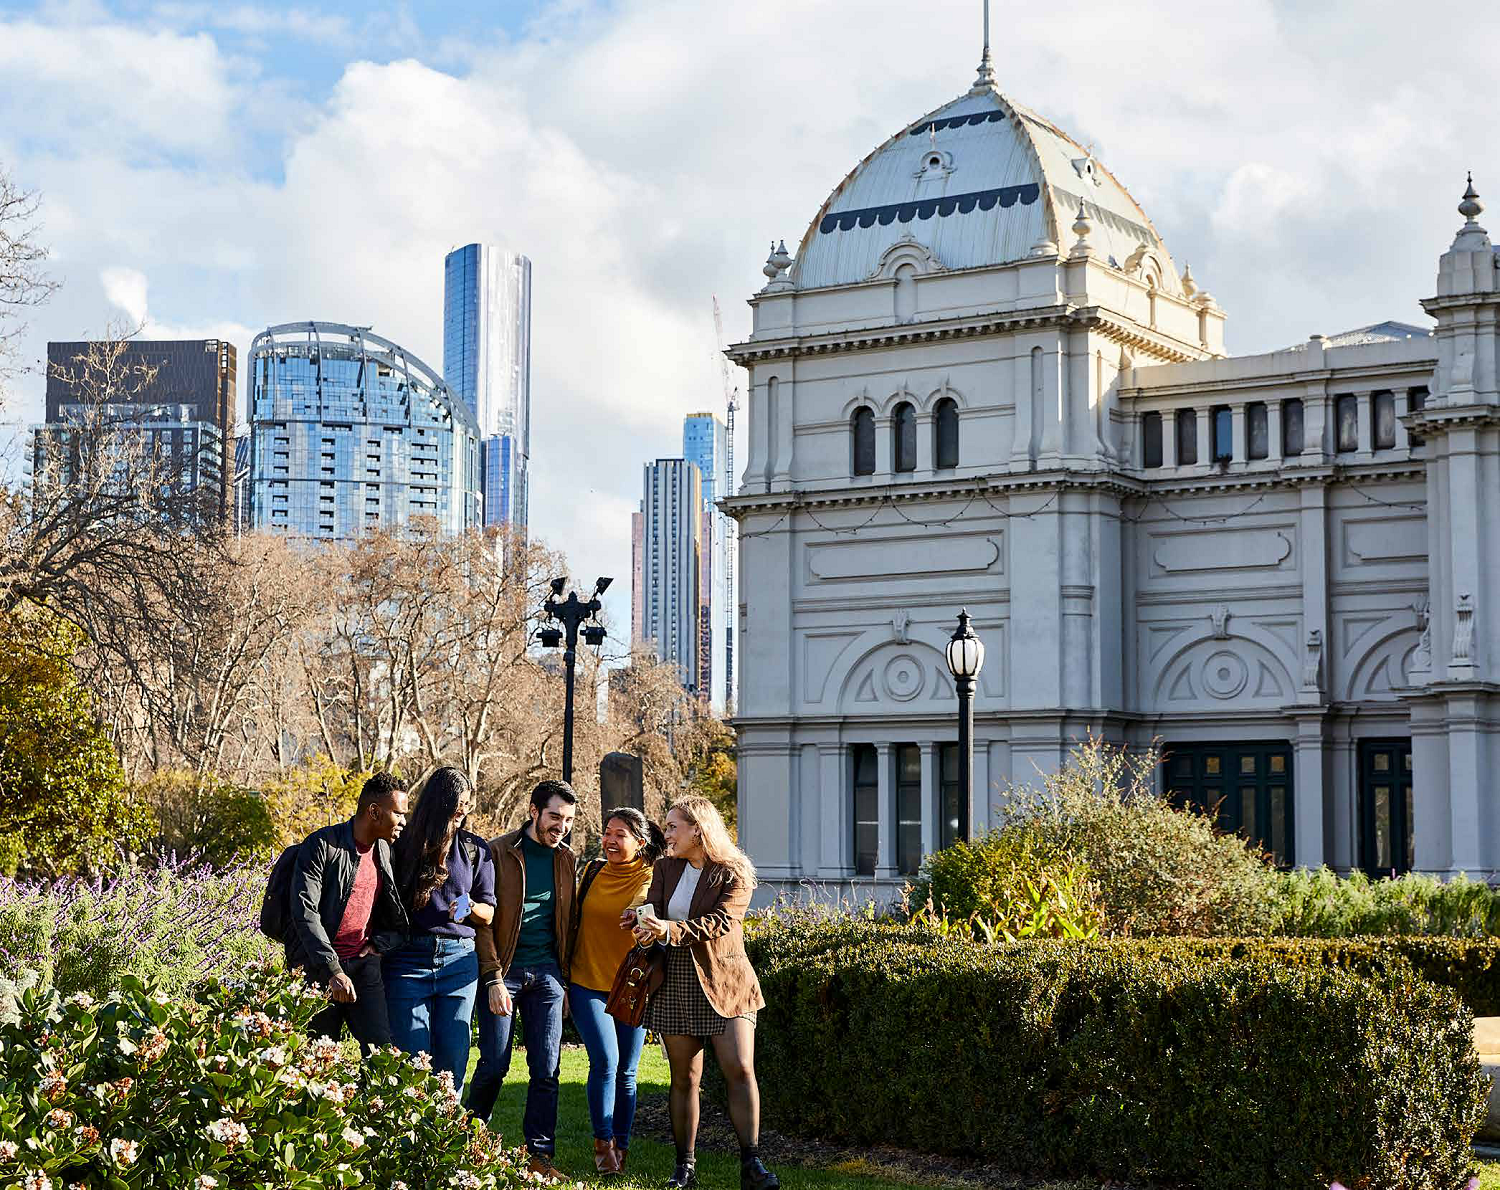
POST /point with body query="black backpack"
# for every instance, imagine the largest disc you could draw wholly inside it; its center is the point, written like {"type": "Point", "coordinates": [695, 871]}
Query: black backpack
{"type": "Point", "coordinates": [276, 905]}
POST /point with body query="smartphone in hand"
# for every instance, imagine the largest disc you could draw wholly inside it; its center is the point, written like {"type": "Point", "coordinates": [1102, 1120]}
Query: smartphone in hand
{"type": "Point", "coordinates": [462, 907]}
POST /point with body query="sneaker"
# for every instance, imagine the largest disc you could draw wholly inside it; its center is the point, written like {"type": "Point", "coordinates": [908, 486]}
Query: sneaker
{"type": "Point", "coordinates": [684, 1176]}
{"type": "Point", "coordinates": [755, 1176]}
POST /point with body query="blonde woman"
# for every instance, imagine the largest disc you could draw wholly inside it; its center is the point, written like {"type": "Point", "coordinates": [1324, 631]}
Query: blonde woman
{"type": "Point", "coordinates": [695, 908]}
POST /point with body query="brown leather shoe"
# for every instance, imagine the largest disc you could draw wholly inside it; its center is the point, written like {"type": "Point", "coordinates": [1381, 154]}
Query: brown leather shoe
{"type": "Point", "coordinates": [605, 1160]}
{"type": "Point", "coordinates": [621, 1152]}
{"type": "Point", "coordinates": [542, 1166]}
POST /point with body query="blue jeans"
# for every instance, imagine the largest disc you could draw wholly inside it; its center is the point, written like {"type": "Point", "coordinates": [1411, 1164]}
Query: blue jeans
{"type": "Point", "coordinates": [430, 984]}
{"type": "Point", "coordinates": [614, 1053]}
{"type": "Point", "coordinates": [537, 993]}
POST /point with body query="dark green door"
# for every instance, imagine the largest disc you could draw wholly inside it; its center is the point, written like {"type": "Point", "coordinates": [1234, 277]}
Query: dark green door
{"type": "Point", "coordinates": [1246, 787]}
{"type": "Point", "coordinates": [1385, 807]}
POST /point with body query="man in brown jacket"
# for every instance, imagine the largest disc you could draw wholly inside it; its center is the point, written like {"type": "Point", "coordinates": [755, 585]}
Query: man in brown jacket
{"type": "Point", "coordinates": [523, 960]}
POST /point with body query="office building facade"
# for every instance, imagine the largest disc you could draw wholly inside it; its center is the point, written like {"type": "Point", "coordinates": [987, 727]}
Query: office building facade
{"type": "Point", "coordinates": [351, 433]}
{"type": "Point", "coordinates": [671, 555]}
{"type": "Point", "coordinates": [487, 363]}
{"type": "Point", "coordinates": [704, 445]}
{"type": "Point", "coordinates": [179, 395]}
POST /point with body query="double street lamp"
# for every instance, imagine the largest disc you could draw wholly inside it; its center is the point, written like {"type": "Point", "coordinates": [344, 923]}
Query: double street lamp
{"type": "Point", "coordinates": [965, 654]}
{"type": "Point", "coordinates": [574, 615]}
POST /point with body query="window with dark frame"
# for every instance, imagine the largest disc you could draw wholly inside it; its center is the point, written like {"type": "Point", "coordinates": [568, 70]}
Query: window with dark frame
{"type": "Point", "coordinates": [1151, 440]}
{"type": "Point", "coordinates": [1257, 431]}
{"type": "Point", "coordinates": [908, 808]}
{"type": "Point", "coordinates": [1247, 787]}
{"type": "Point", "coordinates": [1346, 423]}
{"type": "Point", "coordinates": [1223, 434]}
{"type": "Point", "coordinates": [1415, 399]}
{"type": "Point", "coordinates": [1383, 421]}
{"type": "Point", "coordinates": [950, 811]}
{"type": "Point", "coordinates": [945, 434]}
{"type": "Point", "coordinates": [863, 431]}
{"type": "Point", "coordinates": [1385, 807]}
{"type": "Point", "coordinates": [904, 444]}
{"type": "Point", "coordinates": [864, 775]}
{"type": "Point", "coordinates": [1187, 437]}
{"type": "Point", "coordinates": [1292, 436]}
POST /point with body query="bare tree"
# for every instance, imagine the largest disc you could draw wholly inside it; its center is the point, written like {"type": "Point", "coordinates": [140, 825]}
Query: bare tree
{"type": "Point", "coordinates": [23, 283]}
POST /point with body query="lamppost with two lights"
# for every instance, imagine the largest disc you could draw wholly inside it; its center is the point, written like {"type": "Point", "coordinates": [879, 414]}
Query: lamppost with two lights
{"type": "Point", "coordinates": [573, 614]}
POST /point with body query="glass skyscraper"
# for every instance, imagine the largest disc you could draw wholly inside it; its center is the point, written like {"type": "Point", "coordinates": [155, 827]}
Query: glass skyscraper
{"type": "Point", "coordinates": [487, 361]}
{"type": "Point", "coordinates": [671, 559]}
{"type": "Point", "coordinates": [703, 444]}
{"type": "Point", "coordinates": [350, 432]}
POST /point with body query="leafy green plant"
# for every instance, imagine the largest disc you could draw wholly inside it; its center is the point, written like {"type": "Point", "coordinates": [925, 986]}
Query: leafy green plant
{"type": "Point", "coordinates": [1157, 869]}
{"type": "Point", "coordinates": [142, 1092]}
{"type": "Point", "coordinates": [1141, 1060]}
{"type": "Point", "coordinates": [210, 820]}
{"type": "Point", "coordinates": [1322, 904]}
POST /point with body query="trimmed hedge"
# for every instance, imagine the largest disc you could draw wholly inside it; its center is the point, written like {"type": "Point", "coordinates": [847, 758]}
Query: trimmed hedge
{"type": "Point", "coordinates": [1154, 1060]}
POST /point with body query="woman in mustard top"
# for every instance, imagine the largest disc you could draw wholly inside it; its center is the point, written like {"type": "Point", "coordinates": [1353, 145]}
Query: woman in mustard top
{"type": "Point", "coordinates": [610, 886]}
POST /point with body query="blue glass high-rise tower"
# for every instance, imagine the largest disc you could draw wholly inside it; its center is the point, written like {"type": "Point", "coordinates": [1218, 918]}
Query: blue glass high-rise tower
{"type": "Point", "coordinates": [703, 445]}
{"type": "Point", "coordinates": [487, 362]}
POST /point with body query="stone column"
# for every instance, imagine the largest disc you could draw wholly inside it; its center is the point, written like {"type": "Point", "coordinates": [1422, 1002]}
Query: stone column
{"type": "Point", "coordinates": [931, 798]}
{"type": "Point", "coordinates": [1403, 407]}
{"type": "Point", "coordinates": [835, 843]}
{"type": "Point", "coordinates": [1273, 430]}
{"type": "Point", "coordinates": [1309, 777]}
{"type": "Point", "coordinates": [1020, 446]}
{"type": "Point", "coordinates": [925, 459]}
{"type": "Point", "coordinates": [1365, 412]}
{"type": "Point", "coordinates": [1168, 438]}
{"type": "Point", "coordinates": [1205, 440]}
{"type": "Point", "coordinates": [885, 857]}
{"type": "Point", "coordinates": [1241, 445]}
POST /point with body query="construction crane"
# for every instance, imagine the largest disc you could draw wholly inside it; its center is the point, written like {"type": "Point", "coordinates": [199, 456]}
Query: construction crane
{"type": "Point", "coordinates": [730, 405]}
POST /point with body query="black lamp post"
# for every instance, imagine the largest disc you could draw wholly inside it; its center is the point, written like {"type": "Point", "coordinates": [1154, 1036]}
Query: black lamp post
{"type": "Point", "coordinates": [965, 657]}
{"type": "Point", "coordinates": [572, 613]}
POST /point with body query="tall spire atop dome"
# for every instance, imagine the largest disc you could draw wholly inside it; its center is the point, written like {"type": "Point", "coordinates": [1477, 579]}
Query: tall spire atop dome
{"type": "Point", "coordinates": [986, 79]}
{"type": "Point", "coordinates": [1471, 207]}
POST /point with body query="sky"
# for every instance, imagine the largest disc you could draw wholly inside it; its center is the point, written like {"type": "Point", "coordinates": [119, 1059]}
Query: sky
{"type": "Point", "coordinates": [214, 168]}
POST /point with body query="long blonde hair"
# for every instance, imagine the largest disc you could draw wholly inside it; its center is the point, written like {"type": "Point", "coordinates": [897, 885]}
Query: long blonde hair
{"type": "Point", "coordinates": [717, 844]}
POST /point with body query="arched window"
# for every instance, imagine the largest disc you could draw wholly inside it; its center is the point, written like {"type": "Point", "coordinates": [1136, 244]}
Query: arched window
{"type": "Point", "coordinates": [945, 433]}
{"type": "Point", "coordinates": [862, 427]}
{"type": "Point", "coordinates": [905, 420]}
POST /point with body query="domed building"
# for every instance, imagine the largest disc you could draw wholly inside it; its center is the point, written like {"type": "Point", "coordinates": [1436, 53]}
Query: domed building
{"type": "Point", "coordinates": [981, 381]}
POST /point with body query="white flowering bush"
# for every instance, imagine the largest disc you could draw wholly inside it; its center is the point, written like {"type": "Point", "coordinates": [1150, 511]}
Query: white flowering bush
{"type": "Point", "coordinates": [142, 1092]}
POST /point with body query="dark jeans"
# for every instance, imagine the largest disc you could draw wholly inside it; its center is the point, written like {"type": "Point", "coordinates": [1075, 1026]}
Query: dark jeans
{"type": "Point", "coordinates": [366, 1016]}
{"type": "Point", "coordinates": [429, 996]}
{"type": "Point", "coordinates": [537, 993]}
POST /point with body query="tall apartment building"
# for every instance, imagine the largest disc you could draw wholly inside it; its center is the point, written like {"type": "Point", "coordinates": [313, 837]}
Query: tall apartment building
{"type": "Point", "coordinates": [185, 411]}
{"type": "Point", "coordinates": [487, 362]}
{"type": "Point", "coordinates": [703, 445]}
{"type": "Point", "coordinates": [671, 554]}
{"type": "Point", "coordinates": [637, 532]}
{"type": "Point", "coordinates": [350, 432]}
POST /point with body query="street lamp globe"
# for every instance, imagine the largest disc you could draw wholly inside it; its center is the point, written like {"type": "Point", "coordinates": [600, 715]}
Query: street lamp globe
{"type": "Point", "coordinates": [965, 650]}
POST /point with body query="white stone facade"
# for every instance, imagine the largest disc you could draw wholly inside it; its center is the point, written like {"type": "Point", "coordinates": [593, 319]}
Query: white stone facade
{"type": "Point", "coordinates": [1295, 625]}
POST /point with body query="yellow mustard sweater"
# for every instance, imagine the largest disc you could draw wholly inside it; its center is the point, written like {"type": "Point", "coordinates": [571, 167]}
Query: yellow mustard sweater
{"type": "Point", "coordinates": [602, 945]}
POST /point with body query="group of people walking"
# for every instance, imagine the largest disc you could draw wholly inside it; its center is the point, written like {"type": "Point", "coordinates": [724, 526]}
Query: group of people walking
{"type": "Point", "coordinates": [412, 924]}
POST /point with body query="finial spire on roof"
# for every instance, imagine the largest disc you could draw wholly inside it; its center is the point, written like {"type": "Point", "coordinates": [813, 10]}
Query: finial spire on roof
{"type": "Point", "coordinates": [986, 79]}
{"type": "Point", "coordinates": [1471, 207]}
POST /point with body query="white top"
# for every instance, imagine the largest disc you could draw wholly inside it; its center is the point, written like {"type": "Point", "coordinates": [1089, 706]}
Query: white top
{"type": "Point", "coordinates": [680, 907]}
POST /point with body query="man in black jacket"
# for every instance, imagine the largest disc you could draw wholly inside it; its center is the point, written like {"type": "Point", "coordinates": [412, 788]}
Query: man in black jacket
{"type": "Point", "coordinates": [346, 912]}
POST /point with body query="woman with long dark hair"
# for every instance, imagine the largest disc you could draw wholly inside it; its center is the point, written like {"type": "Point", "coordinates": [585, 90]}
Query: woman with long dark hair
{"type": "Point", "coordinates": [695, 908]}
{"type": "Point", "coordinates": [610, 886]}
{"type": "Point", "coordinates": [446, 878]}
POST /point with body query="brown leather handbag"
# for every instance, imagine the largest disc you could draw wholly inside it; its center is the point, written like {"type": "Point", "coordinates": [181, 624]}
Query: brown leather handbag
{"type": "Point", "coordinates": [642, 972]}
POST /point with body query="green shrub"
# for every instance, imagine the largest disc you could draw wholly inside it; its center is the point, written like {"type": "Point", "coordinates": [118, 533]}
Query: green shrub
{"type": "Point", "coordinates": [1005, 886]}
{"type": "Point", "coordinates": [1157, 869]}
{"type": "Point", "coordinates": [1127, 1059]}
{"type": "Point", "coordinates": [176, 925]}
{"type": "Point", "coordinates": [1322, 904]}
{"type": "Point", "coordinates": [141, 1093]}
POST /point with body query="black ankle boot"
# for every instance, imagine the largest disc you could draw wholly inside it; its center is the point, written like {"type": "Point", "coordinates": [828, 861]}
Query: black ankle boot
{"type": "Point", "coordinates": [755, 1176]}
{"type": "Point", "coordinates": [685, 1175]}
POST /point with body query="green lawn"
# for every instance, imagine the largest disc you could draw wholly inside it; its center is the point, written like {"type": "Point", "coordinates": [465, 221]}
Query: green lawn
{"type": "Point", "coordinates": [650, 1161]}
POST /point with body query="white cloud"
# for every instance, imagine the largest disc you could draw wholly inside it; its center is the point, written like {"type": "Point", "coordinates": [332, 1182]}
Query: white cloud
{"type": "Point", "coordinates": [125, 289]}
{"type": "Point", "coordinates": [1306, 163]}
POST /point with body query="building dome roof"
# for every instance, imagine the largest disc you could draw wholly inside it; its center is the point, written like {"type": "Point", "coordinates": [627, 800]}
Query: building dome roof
{"type": "Point", "coordinates": [980, 181]}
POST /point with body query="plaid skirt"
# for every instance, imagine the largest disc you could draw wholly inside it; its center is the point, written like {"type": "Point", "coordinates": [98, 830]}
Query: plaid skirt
{"type": "Point", "coordinates": [679, 1008]}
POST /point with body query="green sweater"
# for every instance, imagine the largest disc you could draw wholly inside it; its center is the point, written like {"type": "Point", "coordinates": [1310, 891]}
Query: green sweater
{"type": "Point", "coordinates": [538, 940]}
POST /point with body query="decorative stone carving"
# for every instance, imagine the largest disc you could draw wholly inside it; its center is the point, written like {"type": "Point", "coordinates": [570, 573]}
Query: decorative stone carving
{"type": "Point", "coordinates": [775, 269]}
{"type": "Point", "coordinates": [907, 250]}
{"type": "Point", "coordinates": [1219, 617]}
{"type": "Point", "coordinates": [903, 678]}
{"type": "Point", "coordinates": [901, 626]}
{"type": "Point", "coordinates": [1421, 661]}
{"type": "Point", "coordinates": [1312, 661]}
{"type": "Point", "coordinates": [1463, 630]}
{"type": "Point", "coordinates": [1225, 674]}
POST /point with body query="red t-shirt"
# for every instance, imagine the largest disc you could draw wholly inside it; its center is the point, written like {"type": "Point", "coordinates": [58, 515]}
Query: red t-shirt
{"type": "Point", "coordinates": [354, 929]}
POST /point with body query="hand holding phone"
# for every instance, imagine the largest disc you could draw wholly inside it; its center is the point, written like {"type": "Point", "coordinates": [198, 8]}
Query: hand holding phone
{"type": "Point", "coordinates": [462, 907]}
